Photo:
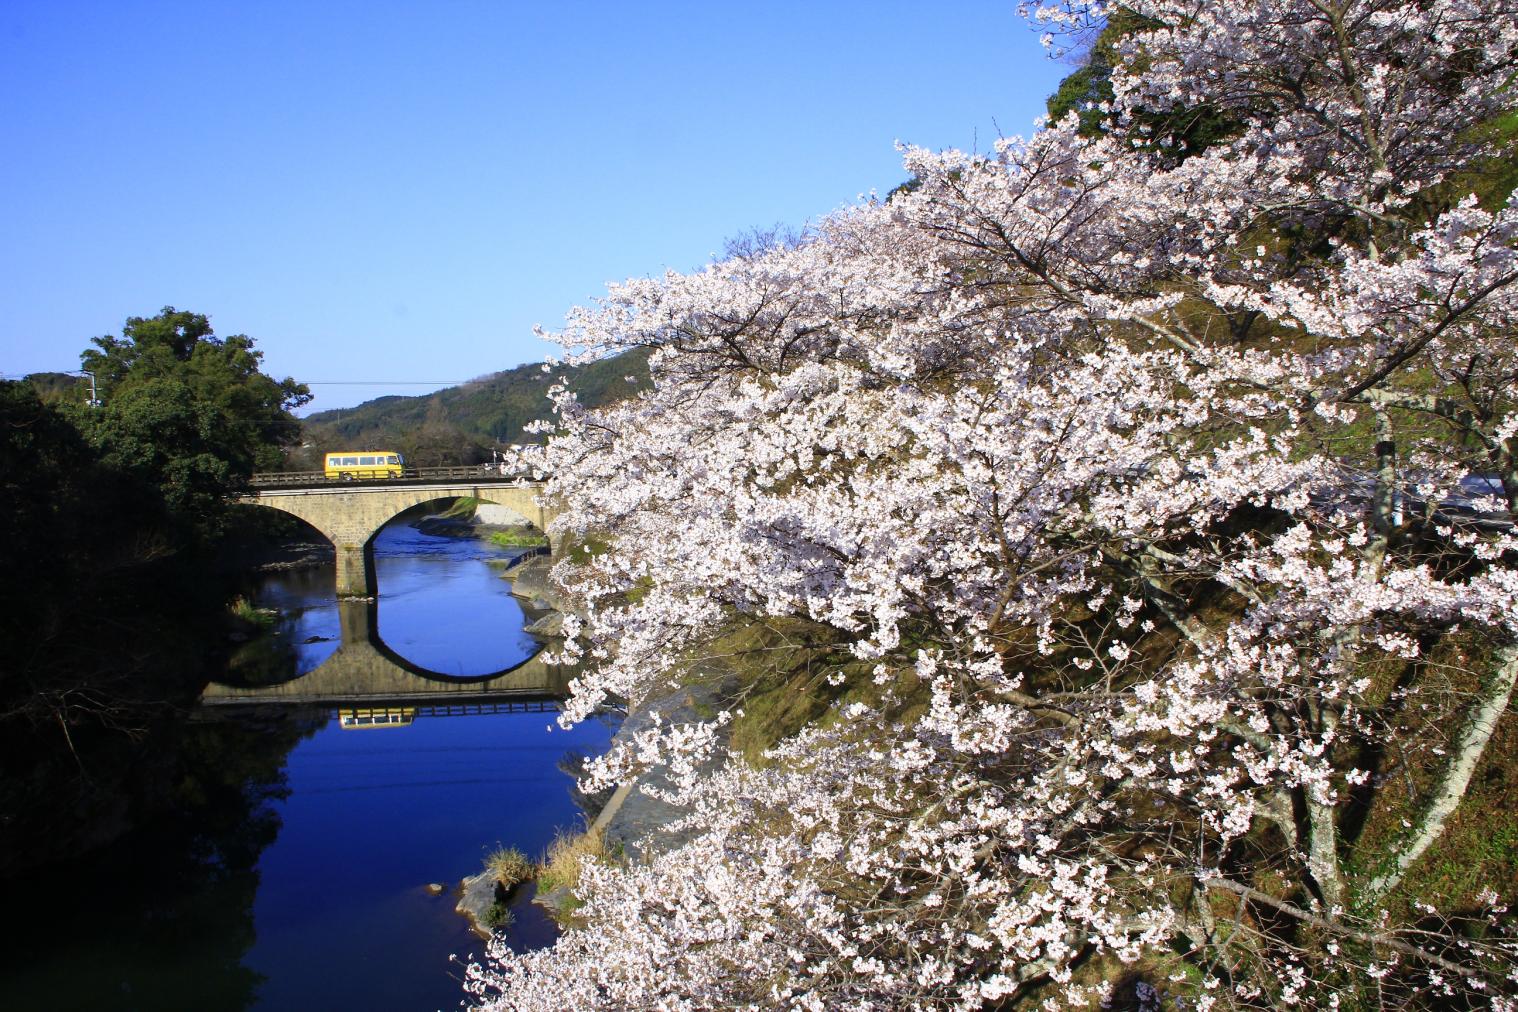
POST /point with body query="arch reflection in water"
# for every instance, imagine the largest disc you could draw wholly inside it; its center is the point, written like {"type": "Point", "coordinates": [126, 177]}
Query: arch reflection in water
{"type": "Point", "coordinates": [364, 672]}
{"type": "Point", "coordinates": [446, 615]}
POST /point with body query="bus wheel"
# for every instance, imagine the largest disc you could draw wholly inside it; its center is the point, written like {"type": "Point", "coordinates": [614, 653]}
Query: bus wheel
{"type": "Point", "coordinates": [347, 476]}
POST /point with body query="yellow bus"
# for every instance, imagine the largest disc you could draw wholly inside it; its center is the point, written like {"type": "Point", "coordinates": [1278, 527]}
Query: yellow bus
{"type": "Point", "coordinates": [351, 464]}
{"type": "Point", "coordinates": [393, 716]}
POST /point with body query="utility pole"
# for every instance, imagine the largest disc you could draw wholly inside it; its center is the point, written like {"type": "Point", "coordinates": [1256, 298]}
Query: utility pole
{"type": "Point", "coordinates": [94, 399]}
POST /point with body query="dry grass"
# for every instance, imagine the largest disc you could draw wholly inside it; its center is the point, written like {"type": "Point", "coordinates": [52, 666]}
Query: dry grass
{"type": "Point", "coordinates": [566, 855]}
{"type": "Point", "coordinates": [509, 866]}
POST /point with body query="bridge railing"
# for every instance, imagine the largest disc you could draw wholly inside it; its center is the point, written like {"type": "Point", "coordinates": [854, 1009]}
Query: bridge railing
{"type": "Point", "coordinates": [474, 472]}
{"type": "Point", "coordinates": [286, 477]}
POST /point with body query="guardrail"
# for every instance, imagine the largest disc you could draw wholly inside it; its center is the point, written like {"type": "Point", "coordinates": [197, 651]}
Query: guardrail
{"type": "Point", "coordinates": [476, 472]}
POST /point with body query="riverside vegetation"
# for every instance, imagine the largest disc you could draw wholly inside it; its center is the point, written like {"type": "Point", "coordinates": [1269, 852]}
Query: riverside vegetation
{"type": "Point", "coordinates": [1115, 533]}
{"type": "Point", "coordinates": [509, 868]}
{"type": "Point", "coordinates": [116, 599]}
{"type": "Point", "coordinates": [556, 875]}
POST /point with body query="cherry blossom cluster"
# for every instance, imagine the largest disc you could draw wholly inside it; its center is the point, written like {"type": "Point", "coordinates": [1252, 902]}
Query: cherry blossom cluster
{"type": "Point", "coordinates": [1164, 498]}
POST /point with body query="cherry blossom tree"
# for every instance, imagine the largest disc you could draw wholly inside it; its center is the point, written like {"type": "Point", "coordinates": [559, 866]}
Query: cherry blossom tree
{"type": "Point", "coordinates": [1163, 498]}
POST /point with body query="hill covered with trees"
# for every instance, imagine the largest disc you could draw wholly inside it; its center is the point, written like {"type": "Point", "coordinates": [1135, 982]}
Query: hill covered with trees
{"type": "Point", "coordinates": [463, 424]}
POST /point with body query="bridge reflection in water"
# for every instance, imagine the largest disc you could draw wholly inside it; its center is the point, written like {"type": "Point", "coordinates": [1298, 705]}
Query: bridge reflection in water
{"type": "Point", "coordinates": [364, 673]}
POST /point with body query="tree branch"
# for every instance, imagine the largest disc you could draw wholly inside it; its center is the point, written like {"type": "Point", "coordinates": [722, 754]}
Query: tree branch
{"type": "Point", "coordinates": [1338, 927]}
{"type": "Point", "coordinates": [1491, 705]}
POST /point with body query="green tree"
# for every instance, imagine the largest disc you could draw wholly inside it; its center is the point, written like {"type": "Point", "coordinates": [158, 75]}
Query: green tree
{"type": "Point", "coordinates": [188, 410]}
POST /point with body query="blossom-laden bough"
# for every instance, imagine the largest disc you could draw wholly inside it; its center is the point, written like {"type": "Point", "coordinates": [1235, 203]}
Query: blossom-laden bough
{"type": "Point", "coordinates": [1180, 484]}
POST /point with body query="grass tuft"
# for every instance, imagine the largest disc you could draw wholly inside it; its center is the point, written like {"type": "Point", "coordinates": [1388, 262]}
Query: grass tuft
{"type": "Point", "coordinates": [566, 855]}
{"type": "Point", "coordinates": [499, 916]}
{"type": "Point", "coordinates": [508, 866]}
{"type": "Point", "coordinates": [246, 611]}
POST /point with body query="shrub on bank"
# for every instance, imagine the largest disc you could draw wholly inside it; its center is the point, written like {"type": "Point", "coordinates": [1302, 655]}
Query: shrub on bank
{"type": "Point", "coordinates": [517, 539]}
{"type": "Point", "coordinates": [566, 856]}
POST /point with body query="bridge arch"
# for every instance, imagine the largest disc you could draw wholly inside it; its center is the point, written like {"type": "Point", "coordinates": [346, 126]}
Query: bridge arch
{"type": "Point", "coordinates": [365, 672]}
{"type": "Point", "coordinates": [351, 514]}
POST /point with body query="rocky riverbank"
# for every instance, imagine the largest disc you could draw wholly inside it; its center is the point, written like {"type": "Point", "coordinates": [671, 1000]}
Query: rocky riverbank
{"type": "Point", "coordinates": [628, 822]}
{"type": "Point", "coordinates": [268, 556]}
{"type": "Point", "coordinates": [633, 822]}
{"type": "Point", "coordinates": [533, 588]}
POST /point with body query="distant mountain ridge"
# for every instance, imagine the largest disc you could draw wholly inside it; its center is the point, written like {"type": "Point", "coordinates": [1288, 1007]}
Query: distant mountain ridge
{"type": "Point", "coordinates": [463, 424]}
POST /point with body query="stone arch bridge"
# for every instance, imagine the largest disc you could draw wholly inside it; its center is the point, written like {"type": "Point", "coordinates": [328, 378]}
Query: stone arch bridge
{"type": "Point", "coordinates": [349, 514]}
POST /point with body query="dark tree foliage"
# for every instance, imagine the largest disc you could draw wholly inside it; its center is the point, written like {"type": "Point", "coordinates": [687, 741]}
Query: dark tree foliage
{"type": "Point", "coordinates": [105, 622]}
{"type": "Point", "coordinates": [114, 611]}
{"type": "Point", "coordinates": [1087, 92]}
{"type": "Point", "coordinates": [182, 887]}
{"type": "Point", "coordinates": [153, 346]}
{"type": "Point", "coordinates": [1084, 91]}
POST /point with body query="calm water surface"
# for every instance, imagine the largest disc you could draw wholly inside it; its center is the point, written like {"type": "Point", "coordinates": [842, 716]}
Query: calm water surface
{"type": "Point", "coordinates": [441, 606]}
{"type": "Point", "coordinates": [303, 882]}
{"type": "Point", "coordinates": [342, 916]}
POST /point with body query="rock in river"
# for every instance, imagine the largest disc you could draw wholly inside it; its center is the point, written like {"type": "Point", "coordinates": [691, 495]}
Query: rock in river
{"type": "Point", "coordinates": [478, 893]}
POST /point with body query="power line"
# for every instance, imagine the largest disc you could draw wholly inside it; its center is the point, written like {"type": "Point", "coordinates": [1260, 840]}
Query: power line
{"type": "Point", "coordinates": [309, 383]}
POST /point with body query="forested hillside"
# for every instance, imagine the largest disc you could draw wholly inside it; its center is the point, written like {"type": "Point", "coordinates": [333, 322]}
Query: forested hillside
{"type": "Point", "coordinates": [461, 425]}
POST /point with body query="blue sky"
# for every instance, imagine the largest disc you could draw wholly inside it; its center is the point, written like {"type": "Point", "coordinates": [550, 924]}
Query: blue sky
{"type": "Point", "coordinates": [398, 192]}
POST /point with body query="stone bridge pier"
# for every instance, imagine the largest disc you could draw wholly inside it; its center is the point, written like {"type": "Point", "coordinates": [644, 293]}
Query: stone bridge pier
{"type": "Point", "coordinates": [351, 515]}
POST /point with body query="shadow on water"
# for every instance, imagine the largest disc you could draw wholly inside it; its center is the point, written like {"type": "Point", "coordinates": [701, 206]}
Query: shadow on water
{"type": "Point", "coordinates": [163, 919]}
{"type": "Point", "coordinates": [292, 870]}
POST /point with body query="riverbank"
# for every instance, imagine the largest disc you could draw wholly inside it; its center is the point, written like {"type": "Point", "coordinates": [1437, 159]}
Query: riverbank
{"type": "Point", "coordinates": [629, 823]}
{"type": "Point", "coordinates": [764, 673]}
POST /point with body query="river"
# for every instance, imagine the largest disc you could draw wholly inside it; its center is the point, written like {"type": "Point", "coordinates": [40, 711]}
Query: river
{"type": "Point", "coordinates": [297, 877]}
